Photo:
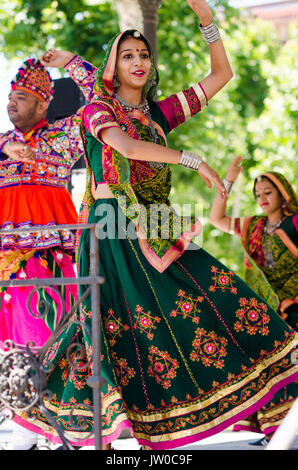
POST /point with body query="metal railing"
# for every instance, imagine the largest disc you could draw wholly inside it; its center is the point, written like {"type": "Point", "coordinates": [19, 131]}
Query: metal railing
{"type": "Point", "coordinates": [22, 373]}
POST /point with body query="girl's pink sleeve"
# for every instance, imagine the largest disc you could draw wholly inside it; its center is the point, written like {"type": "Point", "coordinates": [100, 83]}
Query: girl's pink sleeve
{"type": "Point", "coordinates": [181, 106]}
{"type": "Point", "coordinates": [98, 117]}
{"type": "Point", "coordinates": [295, 222]}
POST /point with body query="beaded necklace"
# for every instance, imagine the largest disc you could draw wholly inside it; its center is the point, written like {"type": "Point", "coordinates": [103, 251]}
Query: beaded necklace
{"type": "Point", "coordinates": [145, 109]}
{"type": "Point", "coordinates": [269, 231]}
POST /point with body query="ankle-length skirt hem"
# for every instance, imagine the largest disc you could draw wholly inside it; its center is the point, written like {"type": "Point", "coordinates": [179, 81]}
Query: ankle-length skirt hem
{"type": "Point", "coordinates": [185, 353]}
{"type": "Point", "coordinates": [267, 419]}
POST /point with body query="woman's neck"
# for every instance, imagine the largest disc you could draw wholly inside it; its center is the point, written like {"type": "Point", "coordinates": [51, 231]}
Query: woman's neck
{"type": "Point", "coordinates": [275, 217]}
{"type": "Point", "coordinates": [133, 97]}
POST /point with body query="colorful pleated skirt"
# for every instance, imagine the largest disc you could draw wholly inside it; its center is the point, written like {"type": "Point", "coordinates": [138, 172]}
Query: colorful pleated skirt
{"type": "Point", "coordinates": [185, 353]}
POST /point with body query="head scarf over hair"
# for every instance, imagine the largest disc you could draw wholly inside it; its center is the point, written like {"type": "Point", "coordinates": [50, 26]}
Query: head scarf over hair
{"type": "Point", "coordinates": [104, 87]}
{"type": "Point", "coordinates": [135, 184]}
{"type": "Point", "coordinates": [33, 78]}
{"type": "Point", "coordinates": [252, 238]}
{"type": "Point", "coordinates": [265, 281]}
{"type": "Point", "coordinates": [286, 190]}
{"type": "Point", "coordinates": [118, 171]}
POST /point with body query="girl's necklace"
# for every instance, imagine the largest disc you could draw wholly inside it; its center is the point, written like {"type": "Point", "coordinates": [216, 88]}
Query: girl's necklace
{"type": "Point", "coordinates": [144, 106]}
{"type": "Point", "coordinates": [145, 109]}
{"type": "Point", "coordinates": [269, 230]}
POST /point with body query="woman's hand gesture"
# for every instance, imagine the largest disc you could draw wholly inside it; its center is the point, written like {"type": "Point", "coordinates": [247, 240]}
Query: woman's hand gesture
{"type": "Point", "coordinates": [54, 58]}
{"type": "Point", "coordinates": [210, 176]}
{"type": "Point", "coordinates": [19, 151]}
{"type": "Point", "coordinates": [201, 9]}
{"type": "Point", "coordinates": [234, 169]}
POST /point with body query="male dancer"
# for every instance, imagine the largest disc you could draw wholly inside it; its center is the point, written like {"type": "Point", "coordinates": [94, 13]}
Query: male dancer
{"type": "Point", "coordinates": [35, 167]}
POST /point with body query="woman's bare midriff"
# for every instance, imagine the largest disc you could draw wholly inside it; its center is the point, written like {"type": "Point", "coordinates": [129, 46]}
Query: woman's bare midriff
{"type": "Point", "coordinates": [102, 192]}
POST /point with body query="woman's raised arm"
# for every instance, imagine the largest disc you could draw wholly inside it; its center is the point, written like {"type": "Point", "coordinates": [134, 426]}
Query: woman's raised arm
{"type": "Point", "coordinates": [221, 71]}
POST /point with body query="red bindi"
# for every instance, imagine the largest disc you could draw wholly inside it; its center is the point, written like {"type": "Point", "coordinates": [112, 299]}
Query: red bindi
{"type": "Point", "coordinates": [138, 50]}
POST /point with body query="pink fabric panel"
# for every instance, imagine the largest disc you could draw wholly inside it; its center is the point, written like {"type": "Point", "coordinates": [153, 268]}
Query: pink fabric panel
{"type": "Point", "coordinates": [16, 322]}
{"type": "Point", "coordinates": [98, 117]}
{"type": "Point", "coordinates": [174, 110]}
{"type": "Point", "coordinates": [295, 222]}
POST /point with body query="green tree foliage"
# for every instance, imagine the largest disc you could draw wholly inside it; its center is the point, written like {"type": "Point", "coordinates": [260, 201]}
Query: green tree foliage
{"type": "Point", "coordinates": [254, 115]}
{"type": "Point", "coordinates": [32, 26]}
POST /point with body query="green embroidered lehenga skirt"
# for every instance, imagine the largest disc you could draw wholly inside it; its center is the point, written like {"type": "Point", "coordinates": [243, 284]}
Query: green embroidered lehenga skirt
{"type": "Point", "coordinates": [279, 287]}
{"type": "Point", "coordinates": [186, 353]}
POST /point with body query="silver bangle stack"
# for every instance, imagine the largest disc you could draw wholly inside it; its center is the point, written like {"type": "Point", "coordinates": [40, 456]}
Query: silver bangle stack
{"type": "Point", "coordinates": [190, 160]}
{"type": "Point", "coordinates": [228, 185]}
{"type": "Point", "coordinates": [210, 33]}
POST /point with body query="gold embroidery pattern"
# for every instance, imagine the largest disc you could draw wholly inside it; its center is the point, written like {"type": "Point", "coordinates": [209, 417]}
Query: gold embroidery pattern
{"type": "Point", "coordinates": [209, 348]}
{"type": "Point", "coordinates": [222, 280]}
{"type": "Point", "coordinates": [113, 327]}
{"type": "Point", "coordinates": [123, 372]}
{"type": "Point", "coordinates": [162, 366]}
{"type": "Point", "coordinates": [145, 322]}
{"type": "Point", "coordinates": [252, 317]}
{"type": "Point", "coordinates": [187, 307]}
{"type": "Point", "coordinates": [75, 369]}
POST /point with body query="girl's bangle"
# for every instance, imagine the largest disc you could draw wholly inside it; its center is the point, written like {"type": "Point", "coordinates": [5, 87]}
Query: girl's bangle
{"type": "Point", "coordinates": [210, 33]}
{"type": "Point", "coordinates": [228, 185]}
{"type": "Point", "coordinates": [190, 160]}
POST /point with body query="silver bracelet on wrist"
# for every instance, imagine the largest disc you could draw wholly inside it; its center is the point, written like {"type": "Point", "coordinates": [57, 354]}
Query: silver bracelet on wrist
{"type": "Point", "coordinates": [228, 185]}
{"type": "Point", "coordinates": [210, 33]}
{"type": "Point", "coordinates": [190, 160]}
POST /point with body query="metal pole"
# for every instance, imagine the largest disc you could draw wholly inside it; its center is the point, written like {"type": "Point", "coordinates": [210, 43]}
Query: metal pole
{"type": "Point", "coordinates": [93, 280]}
{"type": "Point", "coordinates": [95, 380]}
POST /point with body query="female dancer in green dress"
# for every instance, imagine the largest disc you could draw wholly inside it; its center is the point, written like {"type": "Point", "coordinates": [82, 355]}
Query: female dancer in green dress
{"type": "Point", "coordinates": [188, 348]}
{"type": "Point", "coordinates": [270, 242]}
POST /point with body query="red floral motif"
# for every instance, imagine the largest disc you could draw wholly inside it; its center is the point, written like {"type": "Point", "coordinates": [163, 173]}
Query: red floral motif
{"type": "Point", "coordinates": [123, 372]}
{"type": "Point", "coordinates": [187, 307]}
{"type": "Point", "coordinates": [209, 348]}
{"type": "Point", "coordinates": [52, 351]}
{"type": "Point", "coordinates": [162, 367]}
{"type": "Point", "coordinates": [192, 101]}
{"type": "Point", "coordinates": [75, 368]}
{"type": "Point", "coordinates": [145, 322]}
{"type": "Point", "coordinates": [252, 317]}
{"type": "Point", "coordinates": [113, 327]}
{"type": "Point", "coordinates": [222, 280]}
